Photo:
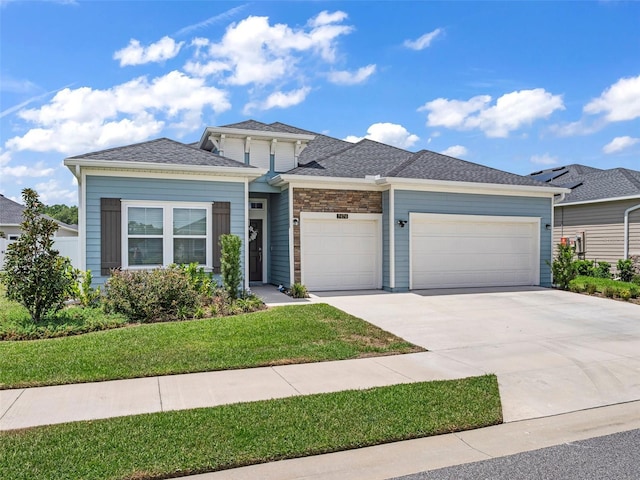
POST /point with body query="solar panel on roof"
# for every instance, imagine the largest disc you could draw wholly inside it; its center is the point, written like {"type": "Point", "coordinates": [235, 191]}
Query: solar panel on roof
{"type": "Point", "coordinates": [550, 174]}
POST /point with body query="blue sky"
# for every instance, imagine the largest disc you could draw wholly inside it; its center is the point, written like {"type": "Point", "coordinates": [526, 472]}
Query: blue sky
{"type": "Point", "coordinates": [517, 86]}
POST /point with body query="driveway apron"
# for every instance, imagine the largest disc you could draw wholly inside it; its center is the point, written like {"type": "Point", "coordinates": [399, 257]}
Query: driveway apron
{"type": "Point", "coordinates": [553, 352]}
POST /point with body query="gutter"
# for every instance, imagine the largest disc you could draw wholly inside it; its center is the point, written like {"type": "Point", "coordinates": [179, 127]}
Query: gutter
{"type": "Point", "coordinates": [626, 229]}
{"type": "Point", "coordinates": [74, 166]}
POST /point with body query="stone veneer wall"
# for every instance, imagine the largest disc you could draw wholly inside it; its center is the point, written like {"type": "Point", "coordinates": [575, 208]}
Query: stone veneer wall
{"type": "Point", "coordinates": [323, 200]}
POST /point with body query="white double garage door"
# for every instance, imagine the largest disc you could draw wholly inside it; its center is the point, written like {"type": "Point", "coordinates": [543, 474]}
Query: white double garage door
{"type": "Point", "coordinates": [344, 251]}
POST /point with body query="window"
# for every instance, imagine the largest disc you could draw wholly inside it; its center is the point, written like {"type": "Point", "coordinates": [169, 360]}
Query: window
{"type": "Point", "coordinates": [162, 234]}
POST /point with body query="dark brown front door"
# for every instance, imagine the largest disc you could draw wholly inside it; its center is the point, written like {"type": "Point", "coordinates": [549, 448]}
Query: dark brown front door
{"type": "Point", "coordinates": [255, 251]}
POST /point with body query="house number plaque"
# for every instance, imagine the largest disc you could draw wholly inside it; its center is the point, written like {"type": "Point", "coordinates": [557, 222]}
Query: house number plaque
{"type": "Point", "coordinates": [342, 216]}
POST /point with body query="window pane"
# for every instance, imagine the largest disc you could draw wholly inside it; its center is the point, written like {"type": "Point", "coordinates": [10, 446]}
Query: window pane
{"type": "Point", "coordinates": [189, 221]}
{"type": "Point", "coordinates": [189, 250]}
{"type": "Point", "coordinates": [145, 221]}
{"type": "Point", "coordinates": [145, 251]}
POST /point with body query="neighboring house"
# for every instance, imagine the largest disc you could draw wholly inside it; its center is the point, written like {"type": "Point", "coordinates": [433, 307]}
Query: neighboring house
{"type": "Point", "coordinates": [601, 214]}
{"type": "Point", "coordinates": [65, 237]}
{"type": "Point", "coordinates": [330, 214]}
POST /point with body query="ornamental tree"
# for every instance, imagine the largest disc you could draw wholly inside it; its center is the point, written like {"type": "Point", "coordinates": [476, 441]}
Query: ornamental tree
{"type": "Point", "coordinates": [35, 274]}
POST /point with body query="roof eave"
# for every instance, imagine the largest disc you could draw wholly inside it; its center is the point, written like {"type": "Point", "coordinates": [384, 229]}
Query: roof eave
{"type": "Point", "coordinates": [253, 172]}
{"type": "Point", "coordinates": [283, 179]}
{"type": "Point", "coordinates": [600, 200]}
{"type": "Point", "coordinates": [396, 181]}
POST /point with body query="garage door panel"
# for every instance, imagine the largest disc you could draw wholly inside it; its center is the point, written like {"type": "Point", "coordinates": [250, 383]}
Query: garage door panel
{"type": "Point", "coordinates": [340, 254]}
{"type": "Point", "coordinates": [458, 252]}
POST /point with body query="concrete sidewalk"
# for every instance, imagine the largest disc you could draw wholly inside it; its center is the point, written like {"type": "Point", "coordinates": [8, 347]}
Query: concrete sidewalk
{"type": "Point", "coordinates": [28, 407]}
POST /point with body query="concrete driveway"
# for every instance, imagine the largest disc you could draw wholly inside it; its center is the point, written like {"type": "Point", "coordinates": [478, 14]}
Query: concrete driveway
{"type": "Point", "coordinates": [554, 352]}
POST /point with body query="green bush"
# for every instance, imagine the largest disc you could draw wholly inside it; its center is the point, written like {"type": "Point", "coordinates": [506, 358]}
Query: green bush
{"type": "Point", "coordinates": [624, 294]}
{"type": "Point", "coordinates": [230, 264]}
{"type": "Point", "coordinates": [609, 292]}
{"type": "Point", "coordinates": [591, 288]}
{"type": "Point", "coordinates": [200, 280]}
{"type": "Point", "coordinates": [602, 270]}
{"type": "Point", "coordinates": [563, 267]}
{"type": "Point", "coordinates": [298, 290]}
{"type": "Point", "coordinates": [576, 287]}
{"type": "Point", "coordinates": [625, 270]}
{"type": "Point", "coordinates": [151, 295]}
{"type": "Point", "coordinates": [35, 274]}
{"type": "Point", "coordinates": [584, 267]}
{"type": "Point", "coordinates": [82, 290]}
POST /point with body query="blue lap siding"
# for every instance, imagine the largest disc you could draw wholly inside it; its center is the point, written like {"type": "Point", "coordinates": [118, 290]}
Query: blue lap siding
{"type": "Point", "coordinates": [152, 189]}
{"type": "Point", "coordinates": [466, 204]}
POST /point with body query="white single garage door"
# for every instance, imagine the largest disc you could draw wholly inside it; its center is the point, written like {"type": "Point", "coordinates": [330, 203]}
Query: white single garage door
{"type": "Point", "coordinates": [449, 251]}
{"type": "Point", "coordinates": [340, 251]}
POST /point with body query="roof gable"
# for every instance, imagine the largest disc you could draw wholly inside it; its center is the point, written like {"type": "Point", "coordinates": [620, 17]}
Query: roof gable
{"type": "Point", "coordinates": [11, 213]}
{"type": "Point", "coordinates": [604, 185]}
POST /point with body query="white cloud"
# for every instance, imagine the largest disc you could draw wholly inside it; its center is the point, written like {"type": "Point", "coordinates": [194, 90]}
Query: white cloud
{"type": "Point", "coordinates": [198, 69]}
{"type": "Point", "coordinates": [256, 52]}
{"type": "Point", "coordinates": [580, 127]}
{"type": "Point", "coordinates": [455, 151]}
{"type": "Point", "coordinates": [37, 170]}
{"type": "Point", "coordinates": [389, 133]}
{"type": "Point", "coordinates": [510, 112]}
{"type": "Point", "coordinates": [84, 119]}
{"type": "Point", "coordinates": [352, 78]}
{"type": "Point", "coordinates": [620, 102]}
{"type": "Point", "coordinates": [544, 159]}
{"type": "Point", "coordinates": [135, 54]}
{"type": "Point", "coordinates": [52, 193]}
{"type": "Point", "coordinates": [620, 143]}
{"type": "Point", "coordinates": [424, 41]}
{"type": "Point", "coordinates": [279, 100]}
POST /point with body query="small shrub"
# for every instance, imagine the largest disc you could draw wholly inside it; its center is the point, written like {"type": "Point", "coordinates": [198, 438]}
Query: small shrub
{"type": "Point", "coordinates": [200, 280]}
{"type": "Point", "coordinates": [151, 295]}
{"type": "Point", "coordinates": [634, 291]}
{"type": "Point", "coordinates": [230, 264]}
{"type": "Point", "coordinates": [575, 287]}
{"type": "Point", "coordinates": [563, 267]}
{"type": "Point", "coordinates": [625, 270]}
{"type": "Point", "coordinates": [602, 270]}
{"type": "Point", "coordinates": [609, 292]}
{"type": "Point", "coordinates": [591, 288]}
{"type": "Point", "coordinates": [584, 267]}
{"type": "Point", "coordinates": [82, 290]}
{"type": "Point", "coordinates": [636, 279]}
{"type": "Point", "coordinates": [298, 290]}
{"type": "Point", "coordinates": [624, 294]}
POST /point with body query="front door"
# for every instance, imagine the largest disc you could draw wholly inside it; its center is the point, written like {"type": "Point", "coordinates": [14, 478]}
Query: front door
{"type": "Point", "coordinates": [255, 250]}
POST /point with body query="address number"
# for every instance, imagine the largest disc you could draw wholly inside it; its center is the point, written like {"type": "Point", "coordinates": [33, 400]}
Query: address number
{"type": "Point", "coordinates": [342, 216]}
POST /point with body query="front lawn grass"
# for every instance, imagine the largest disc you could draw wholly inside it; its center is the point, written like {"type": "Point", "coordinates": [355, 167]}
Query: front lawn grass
{"type": "Point", "coordinates": [281, 335]}
{"type": "Point", "coordinates": [163, 445]}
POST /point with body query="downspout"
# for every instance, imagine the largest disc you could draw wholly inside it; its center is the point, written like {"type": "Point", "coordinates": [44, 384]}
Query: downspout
{"type": "Point", "coordinates": [626, 229]}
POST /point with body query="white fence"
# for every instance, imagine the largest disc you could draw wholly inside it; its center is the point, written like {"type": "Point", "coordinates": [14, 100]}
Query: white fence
{"type": "Point", "coordinates": [67, 246]}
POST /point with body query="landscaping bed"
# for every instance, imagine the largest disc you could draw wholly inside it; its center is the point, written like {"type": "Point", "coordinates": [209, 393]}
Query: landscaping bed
{"type": "Point", "coordinates": [606, 288]}
{"type": "Point", "coordinates": [164, 445]}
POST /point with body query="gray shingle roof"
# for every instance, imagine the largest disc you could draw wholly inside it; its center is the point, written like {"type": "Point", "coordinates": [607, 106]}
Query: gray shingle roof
{"type": "Point", "coordinates": [355, 161]}
{"type": "Point", "coordinates": [435, 166]}
{"type": "Point", "coordinates": [11, 213]}
{"type": "Point", "coordinates": [589, 183]}
{"type": "Point", "coordinates": [605, 184]}
{"type": "Point", "coordinates": [162, 150]}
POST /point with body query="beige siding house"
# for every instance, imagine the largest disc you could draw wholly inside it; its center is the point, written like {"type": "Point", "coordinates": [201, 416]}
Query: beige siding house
{"type": "Point", "coordinates": [601, 215]}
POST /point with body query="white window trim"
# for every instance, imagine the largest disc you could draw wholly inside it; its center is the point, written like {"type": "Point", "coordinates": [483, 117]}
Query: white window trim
{"type": "Point", "coordinates": [167, 236]}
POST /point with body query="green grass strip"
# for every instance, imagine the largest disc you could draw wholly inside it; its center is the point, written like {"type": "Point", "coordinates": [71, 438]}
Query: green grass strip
{"type": "Point", "coordinates": [162, 445]}
{"type": "Point", "coordinates": [602, 283]}
{"type": "Point", "coordinates": [281, 335]}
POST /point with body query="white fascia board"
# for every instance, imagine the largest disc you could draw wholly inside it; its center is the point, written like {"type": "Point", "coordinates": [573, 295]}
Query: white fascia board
{"type": "Point", "coordinates": [599, 200]}
{"type": "Point", "coordinates": [333, 183]}
{"type": "Point", "coordinates": [261, 134]}
{"type": "Point", "coordinates": [448, 186]}
{"type": "Point", "coordinates": [251, 173]}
